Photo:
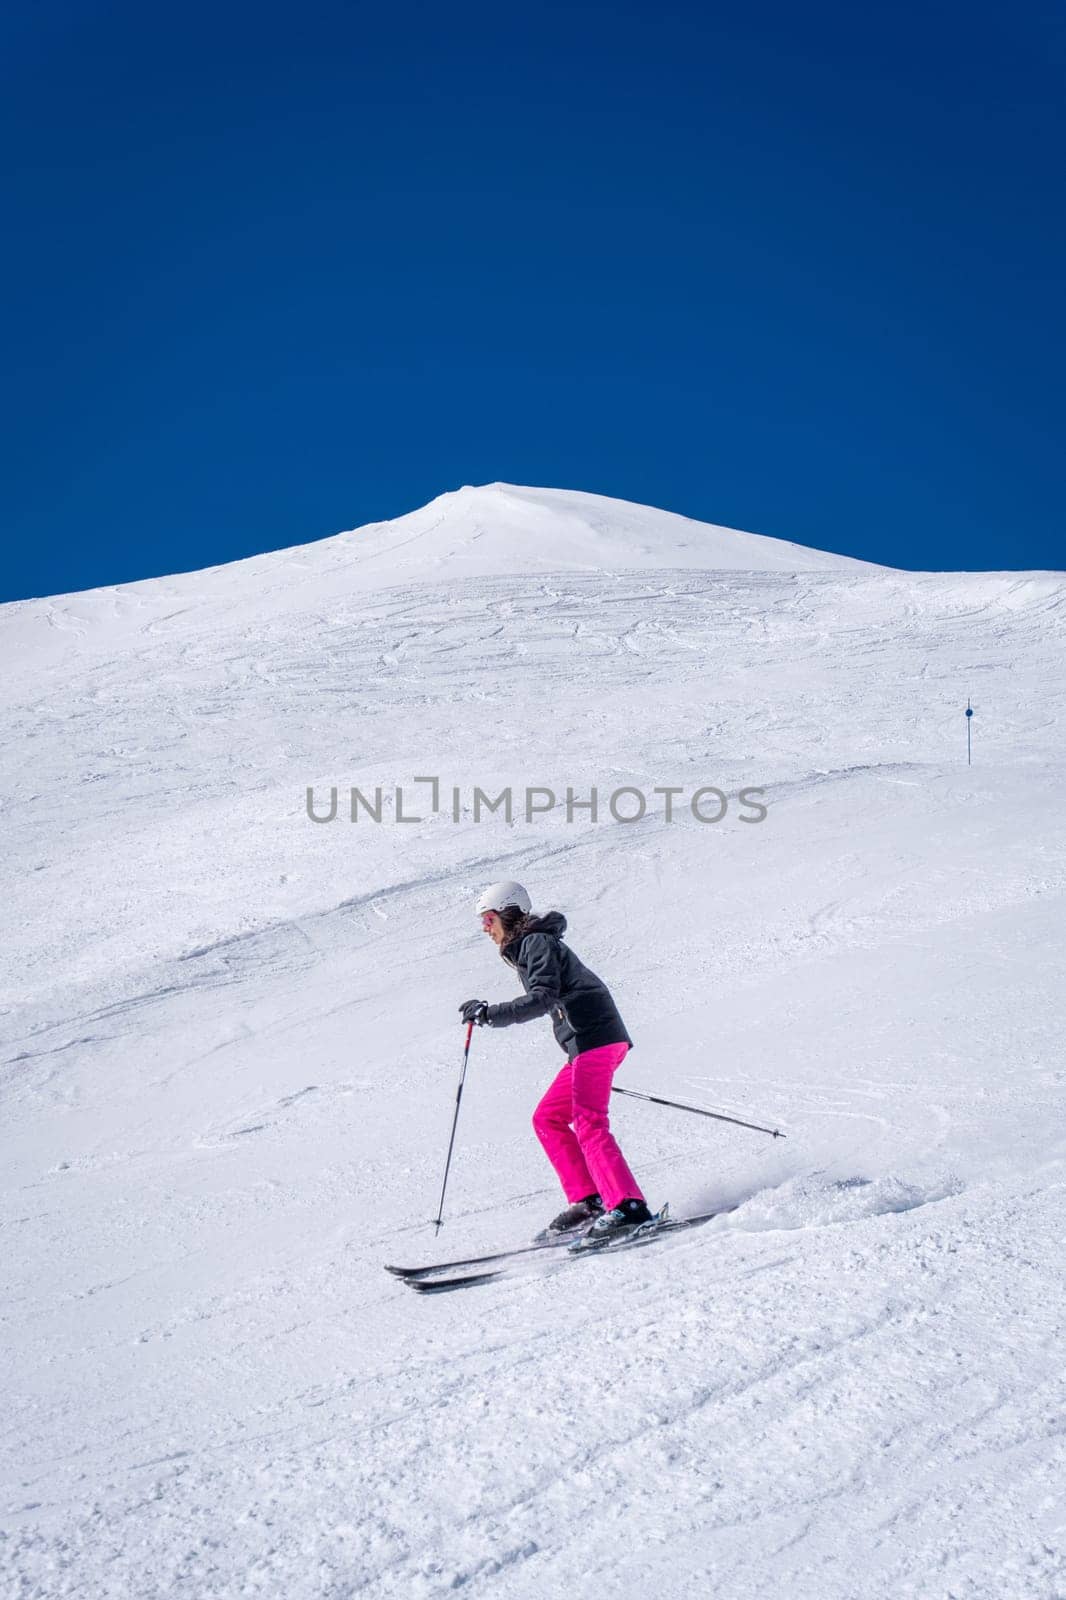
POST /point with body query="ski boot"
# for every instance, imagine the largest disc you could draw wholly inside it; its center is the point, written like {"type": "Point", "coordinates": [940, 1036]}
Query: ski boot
{"type": "Point", "coordinates": [575, 1219]}
{"type": "Point", "coordinates": [611, 1226]}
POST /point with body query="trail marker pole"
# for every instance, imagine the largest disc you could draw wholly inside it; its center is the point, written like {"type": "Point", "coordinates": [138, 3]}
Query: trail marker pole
{"type": "Point", "coordinates": [969, 719]}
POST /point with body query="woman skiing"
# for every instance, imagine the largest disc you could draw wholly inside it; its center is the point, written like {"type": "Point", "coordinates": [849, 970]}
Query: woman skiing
{"type": "Point", "coordinates": [571, 1120]}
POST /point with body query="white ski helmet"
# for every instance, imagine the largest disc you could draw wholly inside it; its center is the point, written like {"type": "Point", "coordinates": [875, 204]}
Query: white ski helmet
{"type": "Point", "coordinates": [505, 893]}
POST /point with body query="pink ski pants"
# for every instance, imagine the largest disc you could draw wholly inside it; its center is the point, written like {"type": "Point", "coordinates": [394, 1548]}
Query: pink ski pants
{"type": "Point", "coordinates": [571, 1124]}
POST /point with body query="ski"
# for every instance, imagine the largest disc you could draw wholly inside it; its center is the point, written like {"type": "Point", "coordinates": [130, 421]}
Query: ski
{"type": "Point", "coordinates": [559, 1241]}
{"type": "Point", "coordinates": [445, 1276]}
{"type": "Point", "coordinates": [444, 1285]}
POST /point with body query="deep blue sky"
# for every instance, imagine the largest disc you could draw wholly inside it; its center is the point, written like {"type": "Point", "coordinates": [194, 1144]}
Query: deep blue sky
{"type": "Point", "coordinates": [273, 271]}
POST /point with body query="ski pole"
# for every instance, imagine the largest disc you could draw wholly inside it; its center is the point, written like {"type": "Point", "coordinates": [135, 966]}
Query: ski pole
{"type": "Point", "coordinates": [455, 1122]}
{"type": "Point", "coordinates": [677, 1105]}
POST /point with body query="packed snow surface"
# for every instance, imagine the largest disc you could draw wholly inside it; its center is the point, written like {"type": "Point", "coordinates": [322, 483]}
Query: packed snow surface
{"type": "Point", "coordinates": [231, 1049]}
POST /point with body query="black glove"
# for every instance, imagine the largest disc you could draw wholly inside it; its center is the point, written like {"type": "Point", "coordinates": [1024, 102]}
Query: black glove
{"type": "Point", "coordinates": [474, 1011]}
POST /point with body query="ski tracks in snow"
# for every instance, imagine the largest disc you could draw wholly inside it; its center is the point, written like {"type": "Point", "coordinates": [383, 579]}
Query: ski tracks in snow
{"type": "Point", "coordinates": [821, 1416]}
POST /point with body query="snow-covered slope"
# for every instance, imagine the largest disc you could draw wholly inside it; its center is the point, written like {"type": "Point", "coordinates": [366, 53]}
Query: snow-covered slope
{"type": "Point", "coordinates": [490, 531]}
{"type": "Point", "coordinates": [231, 1048]}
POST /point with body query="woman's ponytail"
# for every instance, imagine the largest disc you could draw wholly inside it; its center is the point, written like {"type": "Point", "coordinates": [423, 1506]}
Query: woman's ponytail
{"type": "Point", "coordinates": [515, 922]}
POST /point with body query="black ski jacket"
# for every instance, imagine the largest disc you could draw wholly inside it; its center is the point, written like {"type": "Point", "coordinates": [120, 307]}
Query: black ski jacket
{"type": "Point", "coordinates": [583, 1014]}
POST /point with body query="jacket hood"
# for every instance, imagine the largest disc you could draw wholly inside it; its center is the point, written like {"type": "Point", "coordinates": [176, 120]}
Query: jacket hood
{"type": "Point", "coordinates": [552, 922]}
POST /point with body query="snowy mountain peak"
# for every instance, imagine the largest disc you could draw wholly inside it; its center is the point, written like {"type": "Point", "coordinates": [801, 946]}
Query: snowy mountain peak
{"type": "Point", "coordinates": [489, 530]}
{"type": "Point", "coordinates": [496, 528]}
